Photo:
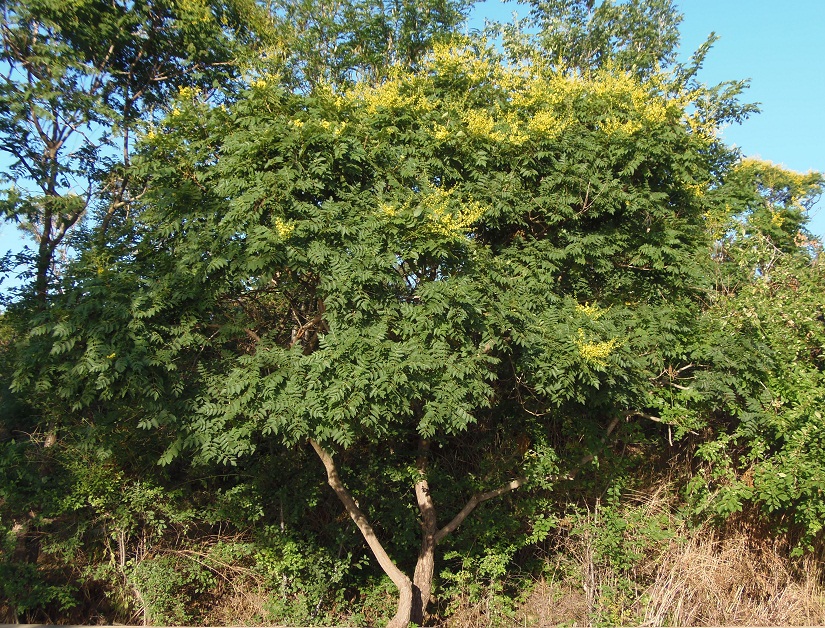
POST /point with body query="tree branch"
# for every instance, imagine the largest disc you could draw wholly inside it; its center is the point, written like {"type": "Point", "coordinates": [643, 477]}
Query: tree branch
{"type": "Point", "coordinates": [396, 575]}
{"type": "Point", "coordinates": [475, 500]}
{"type": "Point", "coordinates": [299, 333]}
{"type": "Point", "coordinates": [611, 426]}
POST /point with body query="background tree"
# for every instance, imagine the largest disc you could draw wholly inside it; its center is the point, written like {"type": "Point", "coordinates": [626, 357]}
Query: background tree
{"type": "Point", "coordinates": [343, 42]}
{"type": "Point", "coordinates": [583, 35]}
{"type": "Point", "coordinates": [761, 386]}
{"type": "Point", "coordinates": [78, 79]}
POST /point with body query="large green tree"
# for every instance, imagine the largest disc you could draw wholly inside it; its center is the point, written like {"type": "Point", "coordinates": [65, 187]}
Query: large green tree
{"type": "Point", "coordinates": [394, 271]}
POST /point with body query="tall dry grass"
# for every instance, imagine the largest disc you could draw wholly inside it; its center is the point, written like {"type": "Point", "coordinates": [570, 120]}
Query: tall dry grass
{"type": "Point", "coordinates": [715, 580]}
{"type": "Point", "coordinates": [738, 575]}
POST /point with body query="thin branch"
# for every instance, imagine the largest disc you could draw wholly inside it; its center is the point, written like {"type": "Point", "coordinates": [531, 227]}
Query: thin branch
{"type": "Point", "coordinates": [396, 575]}
{"type": "Point", "coordinates": [585, 459]}
{"type": "Point", "coordinates": [299, 333]}
{"type": "Point", "coordinates": [475, 500]}
{"type": "Point", "coordinates": [649, 417]}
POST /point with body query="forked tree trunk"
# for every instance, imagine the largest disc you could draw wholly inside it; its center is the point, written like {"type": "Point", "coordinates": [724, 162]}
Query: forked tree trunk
{"type": "Point", "coordinates": [413, 595]}
{"type": "Point", "coordinates": [425, 566]}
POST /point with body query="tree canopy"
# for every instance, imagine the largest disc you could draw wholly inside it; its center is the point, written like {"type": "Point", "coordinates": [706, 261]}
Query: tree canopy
{"type": "Point", "coordinates": [441, 268]}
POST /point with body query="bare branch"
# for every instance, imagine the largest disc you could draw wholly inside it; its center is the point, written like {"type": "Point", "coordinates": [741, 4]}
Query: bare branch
{"type": "Point", "coordinates": [299, 333]}
{"type": "Point", "coordinates": [475, 500]}
{"type": "Point", "coordinates": [395, 574]}
{"type": "Point", "coordinates": [649, 417]}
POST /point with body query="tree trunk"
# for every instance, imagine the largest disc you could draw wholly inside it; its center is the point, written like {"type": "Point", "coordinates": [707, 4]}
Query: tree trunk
{"type": "Point", "coordinates": [398, 577]}
{"type": "Point", "coordinates": [413, 595]}
{"type": "Point", "coordinates": [406, 601]}
{"type": "Point", "coordinates": [423, 579]}
{"type": "Point", "coordinates": [425, 566]}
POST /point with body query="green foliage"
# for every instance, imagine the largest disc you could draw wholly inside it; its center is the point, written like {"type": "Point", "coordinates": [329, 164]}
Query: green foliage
{"type": "Point", "coordinates": [772, 456]}
{"type": "Point", "coordinates": [305, 580]}
{"type": "Point", "coordinates": [169, 587]}
{"type": "Point", "coordinates": [340, 43]}
{"type": "Point", "coordinates": [582, 35]}
{"type": "Point", "coordinates": [81, 77]}
{"type": "Point", "coordinates": [542, 263]}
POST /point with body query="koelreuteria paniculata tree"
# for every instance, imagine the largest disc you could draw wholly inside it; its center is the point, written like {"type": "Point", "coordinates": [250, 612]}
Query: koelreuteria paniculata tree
{"type": "Point", "coordinates": [396, 263]}
{"type": "Point", "coordinates": [458, 273]}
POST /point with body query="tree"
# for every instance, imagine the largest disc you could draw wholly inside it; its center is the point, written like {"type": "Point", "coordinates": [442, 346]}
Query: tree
{"type": "Point", "coordinates": [394, 271]}
{"type": "Point", "coordinates": [79, 78]}
{"type": "Point", "coordinates": [583, 35]}
{"type": "Point", "coordinates": [341, 42]}
{"type": "Point", "coordinates": [759, 388]}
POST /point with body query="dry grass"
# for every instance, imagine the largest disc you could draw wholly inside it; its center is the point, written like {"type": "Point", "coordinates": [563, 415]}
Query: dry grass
{"type": "Point", "coordinates": [245, 606]}
{"type": "Point", "coordinates": [553, 604]}
{"type": "Point", "coordinates": [739, 576]}
{"type": "Point", "coordinates": [709, 580]}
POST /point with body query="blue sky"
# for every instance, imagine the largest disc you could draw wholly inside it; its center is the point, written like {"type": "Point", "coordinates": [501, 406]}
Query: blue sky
{"type": "Point", "coordinates": [780, 46]}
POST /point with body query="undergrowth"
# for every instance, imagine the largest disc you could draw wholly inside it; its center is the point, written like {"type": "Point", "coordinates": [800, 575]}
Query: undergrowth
{"type": "Point", "coordinates": [634, 555]}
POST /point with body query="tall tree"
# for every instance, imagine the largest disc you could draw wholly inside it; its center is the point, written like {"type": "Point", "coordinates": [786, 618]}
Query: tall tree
{"type": "Point", "coordinates": [580, 36]}
{"type": "Point", "coordinates": [78, 77]}
{"type": "Point", "coordinates": [339, 42]}
{"type": "Point", "coordinates": [385, 272]}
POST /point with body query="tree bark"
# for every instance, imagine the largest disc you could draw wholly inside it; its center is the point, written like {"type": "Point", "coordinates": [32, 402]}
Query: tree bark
{"type": "Point", "coordinates": [398, 577]}
{"type": "Point", "coordinates": [425, 566]}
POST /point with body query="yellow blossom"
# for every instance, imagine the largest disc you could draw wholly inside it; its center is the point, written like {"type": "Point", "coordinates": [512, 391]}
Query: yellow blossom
{"type": "Point", "coordinates": [595, 353]}
{"type": "Point", "coordinates": [547, 124]}
{"type": "Point", "coordinates": [283, 228]}
{"type": "Point", "coordinates": [593, 312]}
{"type": "Point", "coordinates": [481, 124]}
{"type": "Point", "coordinates": [186, 92]}
{"type": "Point", "coordinates": [448, 215]}
{"type": "Point", "coordinates": [386, 208]}
{"type": "Point", "coordinates": [777, 219]}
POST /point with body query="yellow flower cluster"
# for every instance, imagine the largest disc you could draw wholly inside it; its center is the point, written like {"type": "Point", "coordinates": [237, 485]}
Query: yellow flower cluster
{"type": "Point", "coordinates": [777, 219]}
{"type": "Point", "coordinates": [447, 215]}
{"type": "Point", "coordinates": [452, 60]}
{"type": "Point", "coordinates": [197, 10]}
{"type": "Point", "coordinates": [444, 213]}
{"type": "Point", "coordinates": [441, 133]}
{"type": "Point", "coordinates": [556, 92]}
{"type": "Point", "coordinates": [387, 209]}
{"type": "Point", "coordinates": [283, 228]}
{"type": "Point", "coordinates": [392, 94]}
{"type": "Point", "coordinates": [188, 93]}
{"type": "Point", "coordinates": [770, 177]}
{"type": "Point", "coordinates": [595, 353]}
{"type": "Point", "coordinates": [593, 312]}
{"type": "Point", "coordinates": [547, 124]}
{"type": "Point", "coordinates": [481, 124]}
{"type": "Point", "coordinates": [636, 105]}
